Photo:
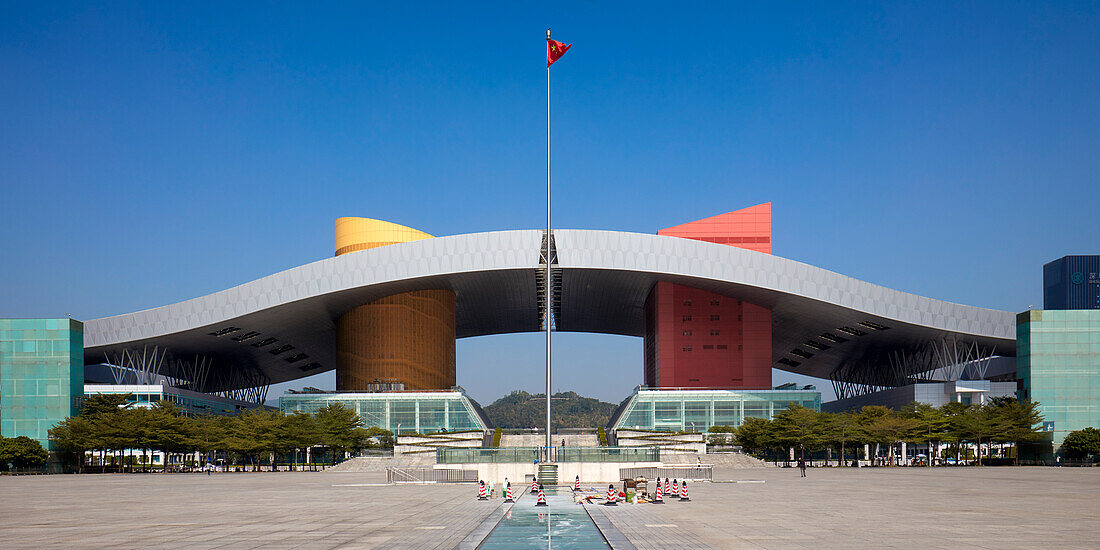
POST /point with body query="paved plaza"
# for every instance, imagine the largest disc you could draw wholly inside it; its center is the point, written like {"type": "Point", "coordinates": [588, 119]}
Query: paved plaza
{"type": "Point", "coordinates": [832, 508]}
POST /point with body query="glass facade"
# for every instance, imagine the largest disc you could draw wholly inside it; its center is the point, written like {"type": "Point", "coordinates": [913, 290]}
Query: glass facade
{"type": "Point", "coordinates": [192, 403]}
{"type": "Point", "coordinates": [409, 412]}
{"type": "Point", "coordinates": [1058, 362]}
{"type": "Point", "coordinates": [41, 375]}
{"type": "Point", "coordinates": [698, 410]}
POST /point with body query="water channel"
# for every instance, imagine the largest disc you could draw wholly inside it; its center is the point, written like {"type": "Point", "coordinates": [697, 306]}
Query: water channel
{"type": "Point", "coordinates": [562, 524]}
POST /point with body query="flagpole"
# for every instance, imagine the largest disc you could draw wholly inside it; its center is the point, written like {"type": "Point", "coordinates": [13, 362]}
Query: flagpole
{"type": "Point", "coordinates": [549, 281]}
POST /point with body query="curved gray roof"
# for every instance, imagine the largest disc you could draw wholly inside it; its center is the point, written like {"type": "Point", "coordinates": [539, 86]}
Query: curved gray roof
{"type": "Point", "coordinates": [605, 277]}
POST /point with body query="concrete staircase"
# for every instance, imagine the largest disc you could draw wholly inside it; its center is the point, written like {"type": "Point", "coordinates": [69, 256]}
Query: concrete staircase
{"type": "Point", "coordinates": [548, 474]}
{"type": "Point", "coordinates": [380, 463]}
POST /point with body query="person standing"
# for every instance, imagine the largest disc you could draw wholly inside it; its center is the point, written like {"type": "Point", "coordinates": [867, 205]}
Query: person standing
{"type": "Point", "coordinates": [802, 465]}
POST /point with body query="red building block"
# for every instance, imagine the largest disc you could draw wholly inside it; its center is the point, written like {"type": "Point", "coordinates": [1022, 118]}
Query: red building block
{"type": "Point", "coordinates": [699, 339]}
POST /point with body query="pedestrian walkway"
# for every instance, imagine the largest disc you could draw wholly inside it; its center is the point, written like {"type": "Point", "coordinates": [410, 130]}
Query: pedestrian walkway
{"type": "Point", "coordinates": [645, 529]}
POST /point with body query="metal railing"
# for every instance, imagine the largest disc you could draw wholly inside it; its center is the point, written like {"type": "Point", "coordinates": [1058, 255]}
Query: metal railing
{"type": "Point", "coordinates": [544, 454]}
{"type": "Point", "coordinates": [429, 475]}
{"type": "Point", "coordinates": [693, 472]}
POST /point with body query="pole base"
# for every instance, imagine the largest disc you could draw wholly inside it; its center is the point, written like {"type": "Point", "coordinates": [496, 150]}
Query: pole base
{"type": "Point", "coordinates": [540, 504]}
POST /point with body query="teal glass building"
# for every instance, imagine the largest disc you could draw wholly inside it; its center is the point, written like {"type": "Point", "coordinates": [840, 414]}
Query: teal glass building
{"type": "Point", "coordinates": [41, 375]}
{"type": "Point", "coordinates": [1058, 363]}
{"type": "Point", "coordinates": [699, 410]}
{"type": "Point", "coordinates": [399, 412]}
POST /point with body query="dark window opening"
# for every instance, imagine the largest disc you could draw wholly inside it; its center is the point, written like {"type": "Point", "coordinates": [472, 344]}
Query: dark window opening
{"type": "Point", "coordinates": [281, 349]}
{"type": "Point", "coordinates": [789, 362]}
{"type": "Point", "coordinates": [714, 333]}
{"type": "Point", "coordinates": [801, 353]}
{"type": "Point", "coordinates": [309, 367]}
{"type": "Point", "coordinates": [296, 357]}
{"type": "Point", "coordinates": [851, 331]}
{"type": "Point", "coordinates": [265, 342]}
{"type": "Point", "coordinates": [833, 338]}
{"type": "Point", "coordinates": [714, 302]}
{"type": "Point", "coordinates": [687, 318]}
{"type": "Point", "coordinates": [816, 345]}
{"type": "Point", "coordinates": [708, 346]}
{"type": "Point", "coordinates": [875, 326]}
{"type": "Point", "coordinates": [687, 333]}
{"type": "Point", "coordinates": [715, 318]}
{"type": "Point", "coordinates": [224, 331]}
{"type": "Point", "coordinates": [246, 336]}
{"type": "Point", "coordinates": [685, 348]}
{"type": "Point", "coordinates": [723, 346]}
{"type": "Point", "coordinates": [687, 302]}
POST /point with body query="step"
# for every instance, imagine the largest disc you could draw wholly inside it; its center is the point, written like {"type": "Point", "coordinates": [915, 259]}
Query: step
{"type": "Point", "coordinates": [548, 474]}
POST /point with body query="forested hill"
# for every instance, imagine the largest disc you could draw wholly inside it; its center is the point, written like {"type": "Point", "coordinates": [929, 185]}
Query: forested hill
{"type": "Point", "coordinates": [520, 409]}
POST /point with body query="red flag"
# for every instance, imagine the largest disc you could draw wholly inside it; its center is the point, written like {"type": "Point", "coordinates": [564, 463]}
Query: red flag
{"type": "Point", "coordinates": [554, 50]}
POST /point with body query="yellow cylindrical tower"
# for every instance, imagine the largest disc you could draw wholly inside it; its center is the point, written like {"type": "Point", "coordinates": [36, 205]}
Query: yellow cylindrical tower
{"type": "Point", "coordinates": [408, 337]}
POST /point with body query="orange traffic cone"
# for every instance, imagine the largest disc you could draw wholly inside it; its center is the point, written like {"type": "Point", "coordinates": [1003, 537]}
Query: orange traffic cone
{"type": "Point", "coordinates": [684, 492]}
{"type": "Point", "coordinates": [481, 494]}
{"type": "Point", "coordinates": [542, 497]}
{"type": "Point", "coordinates": [666, 486]}
{"type": "Point", "coordinates": [534, 485]}
{"type": "Point", "coordinates": [508, 492]}
{"type": "Point", "coordinates": [611, 494]}
{"type": "Point", "coordinates": [675, 489]}
{"type": "Point", "coordinates": [577, 484]}
{"type": "Point", "coordinates": [658, 498]}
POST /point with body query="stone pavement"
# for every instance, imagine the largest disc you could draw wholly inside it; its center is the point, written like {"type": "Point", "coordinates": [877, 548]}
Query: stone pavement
{"type": "Point", "coordinates": [254, 510]}
{"type": "Point", "coordinates": [832, 508]}
{"type": "Point", "coordinates": [922, 508]}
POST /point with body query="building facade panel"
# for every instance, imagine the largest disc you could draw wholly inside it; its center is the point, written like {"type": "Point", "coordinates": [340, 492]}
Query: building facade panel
{"type": "Point", "coordinates": [1058, 363]}
{"type": "Point", "coordinates": [41, 375]}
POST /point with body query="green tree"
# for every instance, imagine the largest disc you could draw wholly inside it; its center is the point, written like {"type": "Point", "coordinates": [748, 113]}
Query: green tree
{"type": "Point", "coordinates": [301, 432]}
{"type": "Point", "coordinates": [842, 429]}
{"type": "Point", "coordinates": [208, 434]}
{"type": "Point", "coordinates": [74, 435]}
{"type": "Point", "coordinates": [800, 427]}
{"type": "Point", "coordinates": [929, 425]}
{"type": "Point", "coordinates": [22, 452]}
{"type": "Point", "coordinates": [251, 433]}
{"type": "Point", "coordinates": [1082, 443]}
{"type": "Point", "coordinates": [1017, 422]}
{"type": "Point", "coordinates": [168, 430]}
{"type": "Point", "coordinates": [867, 417]}
{"type": "Point", "coordinates": [976, 423]}
{"type": "Point", "coordinates": [755, 436]}
{"type": "Point", "coordinates": [337, 424]}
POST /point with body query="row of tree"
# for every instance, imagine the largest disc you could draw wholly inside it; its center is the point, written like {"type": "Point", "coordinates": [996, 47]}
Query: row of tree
{"type": "Point", "coordinates": [111, 426]}
{"type": "Point", "coordinates": [1002, 421]}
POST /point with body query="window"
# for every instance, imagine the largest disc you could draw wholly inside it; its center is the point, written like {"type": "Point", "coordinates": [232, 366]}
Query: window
{"type": "Point", "coordinates": [687, 302]}
{"type": "Point", "coordinates": [708, 346]}
{"type": "Point", "coordinates": [714, 302]}
{"type": "Point", "coordinates": [714, 333]}
{"type": "Point", "coordinates": [740, 347]}
{"type": "Point", "coordinates": [740, 317]}
{"type": "Point", "coordinates": [687, 333]}
{"type": "Point", "coordinates": [687, 317]}
{"type": "Point", "coordinates": [685, 348]}
{"type": "Point", "coordinates": [715, 318]}
{"type": "Point", "coordinates": [723, 346]}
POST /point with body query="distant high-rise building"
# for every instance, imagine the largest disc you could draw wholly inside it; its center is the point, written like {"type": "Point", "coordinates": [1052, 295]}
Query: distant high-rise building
{"type": "Point", "coordinates": [1072, 282]}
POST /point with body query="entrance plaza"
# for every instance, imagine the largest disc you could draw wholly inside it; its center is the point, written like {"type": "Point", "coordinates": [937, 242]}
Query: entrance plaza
{"type": "Point", "coordinates": [831, 508]}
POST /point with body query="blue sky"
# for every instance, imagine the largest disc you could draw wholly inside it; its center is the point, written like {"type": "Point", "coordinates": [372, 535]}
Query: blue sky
{"type": "Point", "coordinates": [154, 153]}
